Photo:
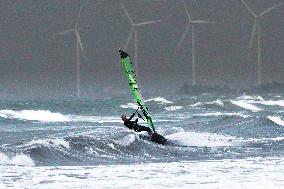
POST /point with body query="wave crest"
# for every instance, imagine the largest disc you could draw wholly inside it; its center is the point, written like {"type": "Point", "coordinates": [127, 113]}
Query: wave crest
{"type": "Point", "coordinates": [245, 105]}
{"type": "Point", "coordinates": [161, 100]}
{"type": "Point", "coordinates": [34, 115]}
{"type": "Point", "coordinates": [276, 120]}
{"type": "Point", "coordinates": [173, 108]}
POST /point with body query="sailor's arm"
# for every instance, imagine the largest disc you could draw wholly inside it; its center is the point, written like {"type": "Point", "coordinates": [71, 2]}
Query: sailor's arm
{"type": "Point", "coordinates": [131, 116]}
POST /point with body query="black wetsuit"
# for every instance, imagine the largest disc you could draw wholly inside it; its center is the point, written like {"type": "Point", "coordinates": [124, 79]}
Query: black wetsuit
{"type": "Point", "coordinates": [133, 125]}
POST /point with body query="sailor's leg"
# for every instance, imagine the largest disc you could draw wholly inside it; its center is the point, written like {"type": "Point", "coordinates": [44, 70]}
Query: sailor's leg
{"type": "Point", "coordinates": [142, 128]}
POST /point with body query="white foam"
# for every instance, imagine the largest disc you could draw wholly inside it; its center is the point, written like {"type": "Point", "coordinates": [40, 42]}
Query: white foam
{"type": "Point", "coordinates": [196, 104]}
{"type": "Point", "coordinates": [126, 140]}
{"type": "Point", "coordinates": [245, 105]}
{"type": "Point", "coordinates": [37, 142]}
{"type": "Point", "coordinates": [34, 115]}
{"type": "Point", "coordinates": [2, 186]}
{"type": "Point", "coordinates": [217, 114]}
{"type": "Point", "coordinates": [276, 120]}
{"type": "Point", "coordinates": [271, 102]}
{"type": "Point", "coordinates": [4, 159]}
{"type": "Point", "coordinates": [160, 100]}
{"type": "Point", "coordinates": [19, 159]}
{"type": "Point", "coordinates": [260, 100]}
{"type": "Point", "coordinates": [22, 160]}
{"type": "Point", "coordinates": [235, 173]}
{"type": "Point", "coordinates": [258, 140]}
{"type": "Point", "coordinates": [96, 119]}
{"type": "Point", "coordinates": [173, 108]}
{"type": "Point", "coordinates": [216, 102]}
{"type": "Point", "coordinates": [56, 142]}
{"type": "Point", "coordinates": [61, 142]}
{"type": "Point", "coordinates": [47, 116]}
{"type": "Point", "coordinates": [202, 139]}
{"type": "Point", "coordinates": [247, 97]}
{"type": "Point", "coordinates": [130, 105]}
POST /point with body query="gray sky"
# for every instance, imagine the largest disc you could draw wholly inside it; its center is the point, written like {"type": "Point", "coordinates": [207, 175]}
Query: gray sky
{"type": "Point", "coordinates": [35, 62]}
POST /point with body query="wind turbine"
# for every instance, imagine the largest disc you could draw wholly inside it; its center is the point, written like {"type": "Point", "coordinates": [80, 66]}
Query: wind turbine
{"type": "Point", "coordinates": [79, 47]}
{"type": "Point", "coordinates": [191, 23]}
{"type": "Point", "coordinates": [256, 28]}
{"type": "Point", "coordinates": [134, 29]}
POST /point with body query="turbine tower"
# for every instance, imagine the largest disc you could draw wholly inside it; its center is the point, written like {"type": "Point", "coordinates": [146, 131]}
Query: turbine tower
{"type": "Point", "coordinates": [79, 47]}
{"type": "Point", "coordinates": [191, 23]}
{"type": "Point", "coordinates": [256, 31]}
{"type": "Point", "coordinates": [134, 29]}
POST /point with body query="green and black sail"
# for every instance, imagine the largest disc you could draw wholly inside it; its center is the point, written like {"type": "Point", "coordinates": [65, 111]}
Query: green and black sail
{"type": "Point", "coordinates": [129, 71]}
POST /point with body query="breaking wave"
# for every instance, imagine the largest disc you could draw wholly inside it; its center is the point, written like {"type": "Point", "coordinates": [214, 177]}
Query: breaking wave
{"type": "Point", "coordinates": [47, 116]}
{"type": "Point", "coordinates": [247, 97]}
{"type": "Point", "coordinates": [215, 102]}
{"type": "Point", "coordinates": [34, 115]}
{"type": "Point", "coordinates": [19, 159]}
{"type": "Point", "coordinates": [271, 102]}
{"type": "Point", "coordinates": [173, 108]}
{"type": "Point", "coordinates": [54, 142]}
{"type": "Point", "coordinates": [245, 105]}
{"type": "Point", "coordinates": [261, 100]}
{"type": "Point", "coordinates": [276, 120]}
{"type": "Point", "coordinates": [130, 105]}
{"type": "Point", "coordinates": [160, 100]}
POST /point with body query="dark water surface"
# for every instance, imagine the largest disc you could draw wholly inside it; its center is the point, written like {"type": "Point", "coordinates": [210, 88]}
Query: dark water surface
{"type": "Point", "coordinates": [78, 136]}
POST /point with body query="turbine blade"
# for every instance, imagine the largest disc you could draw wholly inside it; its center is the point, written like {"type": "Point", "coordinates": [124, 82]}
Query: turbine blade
{"type": "Point", "coordinates": [249, 9]}
{"type": "Point", "coordinates": [78, 37]}
{"type": "Point", "coordinates": [201, 22]}
{"type": "Point", "coordinates": [128, 39]}
{"type": "Point", "coordinates": [126, 12]}
{"type": "Point", "coordinates": [79, 14]}
{"type": "Point", "coordinates": [186, 10]}
{"type": "Point", "coordinates": [252, 34]}
{"type": "Point", "coordinates": [147, 22]}
{"type": "Point", "coordinates": [270, 9]}
{"type": "Point", "coordinates": [252, 38]}
{"type": "Point", "coordinates": [183, 37]}
{"type": "Point", "coordinates": [66, 32]}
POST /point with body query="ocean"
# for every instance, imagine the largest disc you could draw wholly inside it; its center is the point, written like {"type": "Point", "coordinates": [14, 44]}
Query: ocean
{"type": "Point", "coordinates": [213, 142]}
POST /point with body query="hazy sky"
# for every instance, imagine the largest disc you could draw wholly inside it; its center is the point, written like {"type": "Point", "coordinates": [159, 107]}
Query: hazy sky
{"type": "Point", "coordinates": [35, 61]}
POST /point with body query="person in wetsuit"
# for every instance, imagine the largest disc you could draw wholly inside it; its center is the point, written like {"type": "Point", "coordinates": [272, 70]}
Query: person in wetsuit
{"type": "Point", "coordinates": [133, 125]}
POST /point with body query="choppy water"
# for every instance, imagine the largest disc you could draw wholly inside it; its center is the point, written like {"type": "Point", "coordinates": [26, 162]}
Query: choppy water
{"type": "Point", "coordinates": [215, 142]}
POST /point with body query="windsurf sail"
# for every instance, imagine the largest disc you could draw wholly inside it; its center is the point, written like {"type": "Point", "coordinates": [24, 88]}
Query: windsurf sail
{"type": "Point", "coordinates": [129, 71]}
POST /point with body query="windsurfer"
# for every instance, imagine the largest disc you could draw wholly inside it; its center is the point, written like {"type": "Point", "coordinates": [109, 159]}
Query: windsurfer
{"type": "Point", "coordinates": [133, 125]}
